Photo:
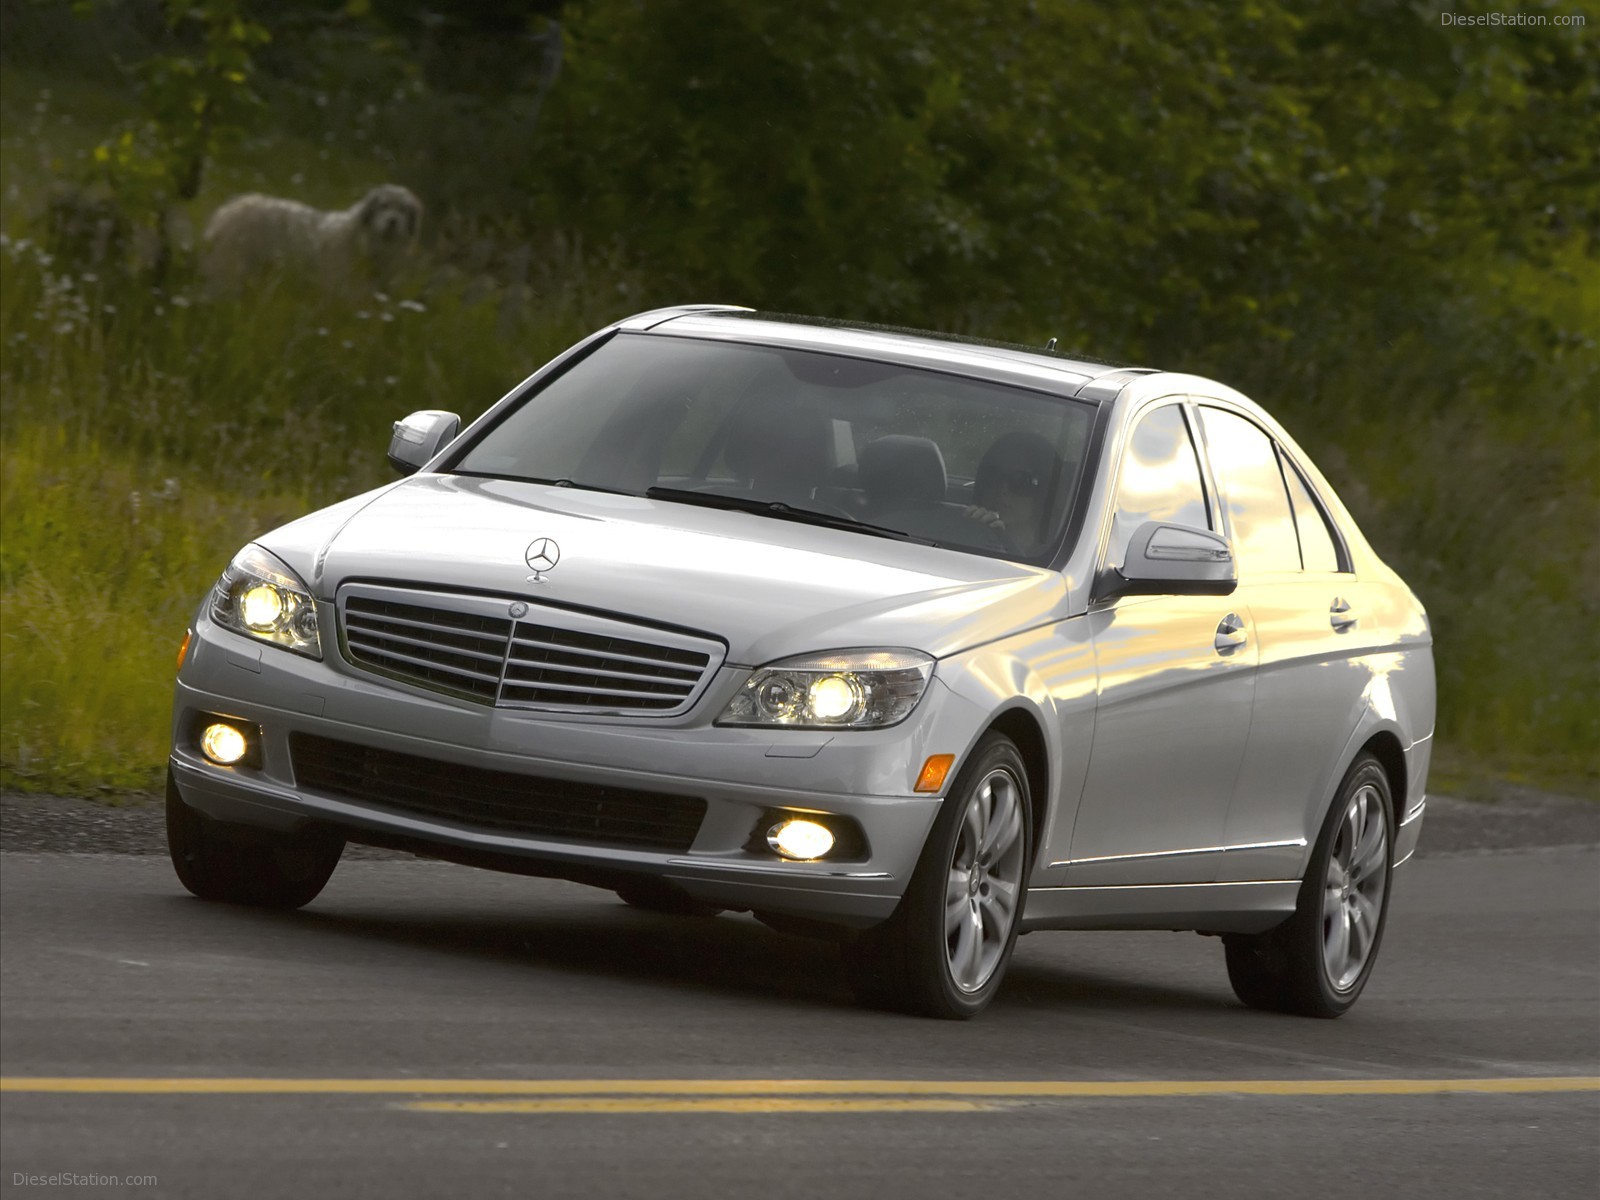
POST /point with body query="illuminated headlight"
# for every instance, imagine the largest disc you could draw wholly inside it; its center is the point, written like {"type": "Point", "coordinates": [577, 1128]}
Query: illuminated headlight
{"type": "Point", "coordinates": [848, 689]}
{"type": "Point", "coordinates": [258, 595]}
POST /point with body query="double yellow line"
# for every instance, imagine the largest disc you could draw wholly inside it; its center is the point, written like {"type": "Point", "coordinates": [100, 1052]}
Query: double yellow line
{"type": "Point", "coordinates": [779, 1095]}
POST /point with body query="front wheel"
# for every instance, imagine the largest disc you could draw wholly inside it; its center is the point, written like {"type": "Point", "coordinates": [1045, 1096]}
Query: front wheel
{"type": "Point", "coordinates": [945, 950]}
{"type": "Point", "coordinates": [1317, 962]}
{"type": "Point", "coordinates": [237, 865]}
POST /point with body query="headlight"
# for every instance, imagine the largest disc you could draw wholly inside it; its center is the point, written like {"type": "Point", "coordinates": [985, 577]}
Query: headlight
{"type": "Point", "coordinates": [849, 689]}
{"type": "Point", "coordinates": [262, 598]}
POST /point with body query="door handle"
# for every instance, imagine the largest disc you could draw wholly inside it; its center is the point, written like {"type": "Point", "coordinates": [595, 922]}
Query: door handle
{"type": "Point", "coordinates": [1340, 616]}
{"type": "Point", "coordinates": [1230, 634]}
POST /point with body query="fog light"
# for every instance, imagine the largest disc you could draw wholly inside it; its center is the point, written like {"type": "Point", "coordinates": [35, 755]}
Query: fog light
{"type": "Point", "coordinates": [800, 839]}
{"type": "Point", "coordinates": [224, 744]}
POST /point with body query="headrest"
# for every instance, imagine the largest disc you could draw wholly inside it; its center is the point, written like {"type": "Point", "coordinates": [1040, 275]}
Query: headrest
{"type": "Point", "coordinates": [788, 442]}
{"type": "Point", "coordinates": [901, 469]}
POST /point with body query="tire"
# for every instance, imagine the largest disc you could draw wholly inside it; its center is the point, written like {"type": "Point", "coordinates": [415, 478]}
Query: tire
{"type": "Point", "coordinates": [659, 896]}
{"type": "Point", "coordinates": [234, 864]}
{"type": "Point", "coordinates": [1318, 961]}
{"type": "Point", "coordinates": [945, 950]}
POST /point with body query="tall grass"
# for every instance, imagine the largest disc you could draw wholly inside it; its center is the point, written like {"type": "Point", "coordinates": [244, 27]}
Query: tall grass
{"type": "Point", "coordinates": [150, 433]}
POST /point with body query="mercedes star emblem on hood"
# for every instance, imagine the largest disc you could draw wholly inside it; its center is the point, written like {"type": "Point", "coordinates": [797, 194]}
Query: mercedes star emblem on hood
{"type": "Point", "coordinates": [543, 554]}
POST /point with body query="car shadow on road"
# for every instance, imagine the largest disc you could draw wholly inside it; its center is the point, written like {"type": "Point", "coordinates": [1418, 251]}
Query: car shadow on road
{"type": "Point", "coordinates": [728, 955]}
{"type": "Point", "coordinates": [1041, 986]}
{"type": "Point", "coordinates": [712, 954]}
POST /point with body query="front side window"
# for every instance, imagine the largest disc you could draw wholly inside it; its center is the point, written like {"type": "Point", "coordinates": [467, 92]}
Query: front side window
{"type": "Point", "coordinates": [1159, 481]}
{"type": "Point", "coordinates": [1253, 494]}
{"type": "Point", "coordinates": [964, 463]}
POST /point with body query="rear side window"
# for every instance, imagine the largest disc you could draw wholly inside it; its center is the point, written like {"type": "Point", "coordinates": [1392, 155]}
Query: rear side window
{"type": "Point", "coordinates": [1317, 549]}
{"type": "Point", "coordinates": [1160, 480]}
{"type": "Point", "coordinates": [1253, 493]}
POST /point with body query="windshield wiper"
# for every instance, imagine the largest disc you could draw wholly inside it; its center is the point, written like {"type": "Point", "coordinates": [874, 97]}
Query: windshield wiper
{"type": "Point", "coordinates": [561, 483]}
{"type": "Point", "coordinates": [782, 511]}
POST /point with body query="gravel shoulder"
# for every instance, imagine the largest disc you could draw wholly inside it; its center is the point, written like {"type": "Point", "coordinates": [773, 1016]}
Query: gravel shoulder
{"type": "Point", "coordinates": [1517, 819]}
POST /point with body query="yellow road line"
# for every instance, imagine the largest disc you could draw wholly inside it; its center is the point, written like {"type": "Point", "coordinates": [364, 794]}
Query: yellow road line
{"type": "Point", "coordinates": [802, 1087]}
{"type": "Point", "coordinates": [726, 1104]}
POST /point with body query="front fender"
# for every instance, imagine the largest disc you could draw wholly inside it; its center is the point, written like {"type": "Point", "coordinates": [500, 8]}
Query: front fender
{"type": "Point", "coordinates": [1047, 673]}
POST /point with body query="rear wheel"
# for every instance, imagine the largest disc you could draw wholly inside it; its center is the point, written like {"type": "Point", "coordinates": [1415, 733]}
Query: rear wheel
{"type": "Point", "coordinates": [945, 950]}
{"type": "Point", "coordinates": [235, 864]}
{"type": "Point", "coordinates": [1317, 962]}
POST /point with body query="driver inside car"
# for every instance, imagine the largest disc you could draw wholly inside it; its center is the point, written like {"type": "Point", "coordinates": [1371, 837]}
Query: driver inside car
{"type": "Point", "coordinates": [1012, 485]}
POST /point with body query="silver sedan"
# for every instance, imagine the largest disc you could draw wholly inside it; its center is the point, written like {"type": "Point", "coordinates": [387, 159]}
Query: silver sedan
{"type": "Point", "coordinates": [908, 641]}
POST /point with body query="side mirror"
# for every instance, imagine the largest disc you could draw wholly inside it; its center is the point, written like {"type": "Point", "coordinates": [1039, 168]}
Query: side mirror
{"type": "Point", "coordinates": [1171, 560]}
{"type": "Point", "coordinates": [419, 437]}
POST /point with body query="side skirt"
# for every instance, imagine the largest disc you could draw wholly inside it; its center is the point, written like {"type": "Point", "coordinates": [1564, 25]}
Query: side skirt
{"type": "Point", "coordinates": [1211, 907]}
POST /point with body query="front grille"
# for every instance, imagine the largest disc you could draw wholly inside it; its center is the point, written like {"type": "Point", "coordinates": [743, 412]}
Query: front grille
{"type": "Point", "coordinates": [497, 801]}
{"type": "Point", "coordinates": [548, 665]}
{"type": "Point", "coordinates": [552, 659]}
{"type": "Point", "coordinates": [459, 652]}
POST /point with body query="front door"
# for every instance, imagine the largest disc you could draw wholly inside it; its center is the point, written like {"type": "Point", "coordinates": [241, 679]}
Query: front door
{"type": "Point", "coordinates": [1176, 680]}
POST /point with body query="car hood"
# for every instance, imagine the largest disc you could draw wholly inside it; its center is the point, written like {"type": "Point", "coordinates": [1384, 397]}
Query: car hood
{"type": "Point", "coordinates": [769, 588]}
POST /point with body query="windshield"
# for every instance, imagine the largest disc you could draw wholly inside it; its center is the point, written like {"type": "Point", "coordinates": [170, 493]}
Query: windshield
{"type": "Point", "coordinates": [959, 462]}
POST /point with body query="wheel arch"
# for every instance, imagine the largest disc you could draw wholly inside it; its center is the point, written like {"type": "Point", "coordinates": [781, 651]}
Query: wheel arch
{"type": "Point", "coordinates": [1026, 733]}
{"type": "Point", "coordinates": [1385, 746]}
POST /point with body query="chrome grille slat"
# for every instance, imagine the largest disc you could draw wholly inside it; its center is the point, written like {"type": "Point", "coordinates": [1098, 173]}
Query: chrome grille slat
{"type": "Point", "coordinates": [553, 659]}
{"type": "Point", "coordinates": [560, 669]}
{"type": "Point", "coordinates": [486, 636]}
{"type": "Point", "coordinates": [492, 677]}
{"type": "Point", "coordinates": [542, 685]}
{"type": "Point", "coordinates": [374, 635]}
{"type": "Point", "coordinates": [568, 648]}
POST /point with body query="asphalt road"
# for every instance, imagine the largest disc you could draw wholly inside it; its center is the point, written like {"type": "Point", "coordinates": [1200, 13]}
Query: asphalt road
{"type": "Point", "coordinates": [454, 1033]}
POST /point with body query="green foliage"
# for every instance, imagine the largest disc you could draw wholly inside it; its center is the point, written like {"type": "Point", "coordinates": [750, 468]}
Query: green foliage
{"type": "Point", "coordinates": [1385, 229]}
{"type": "Point", "coordinates": [195, 99]}
{"type": "Point", "coordinates": [1142, 179]}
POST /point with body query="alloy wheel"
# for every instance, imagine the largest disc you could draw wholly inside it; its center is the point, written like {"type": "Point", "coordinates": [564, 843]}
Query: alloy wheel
{"type": "Point", "coordinates": [984, 880]}
{"type": "Point", "coordinates": [1353, 892]}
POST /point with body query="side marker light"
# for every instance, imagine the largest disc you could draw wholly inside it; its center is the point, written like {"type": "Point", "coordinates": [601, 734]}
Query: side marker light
{"type": "Point", "coordinates": [934, 772]}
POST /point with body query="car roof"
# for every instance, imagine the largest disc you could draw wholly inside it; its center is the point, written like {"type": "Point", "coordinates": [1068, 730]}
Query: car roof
{"type": "Point", "coordinates": [1034, 366]}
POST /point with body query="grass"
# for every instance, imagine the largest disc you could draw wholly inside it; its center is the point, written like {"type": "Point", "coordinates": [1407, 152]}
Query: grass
{"type": "Point", "coordinates": [149, 435]}
{"type": "Point", "coordinates": [104, 559]}
{"type": "Point", "coordinates": [150, 432]}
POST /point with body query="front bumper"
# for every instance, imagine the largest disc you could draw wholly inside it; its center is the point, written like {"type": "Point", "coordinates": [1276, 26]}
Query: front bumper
{"type": "Point", "coordinates": [741, 774]}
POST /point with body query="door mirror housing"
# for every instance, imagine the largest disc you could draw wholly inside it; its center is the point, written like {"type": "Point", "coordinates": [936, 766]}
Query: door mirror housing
{"type": "Point", "coordinates": [1171, 560]}
{"type": "Point", "coordinates": [417, 438]}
